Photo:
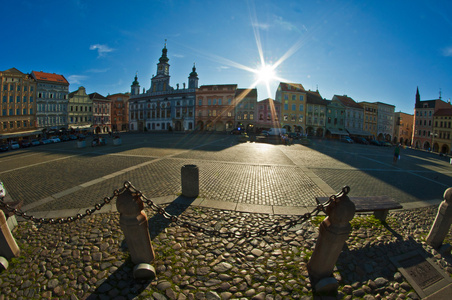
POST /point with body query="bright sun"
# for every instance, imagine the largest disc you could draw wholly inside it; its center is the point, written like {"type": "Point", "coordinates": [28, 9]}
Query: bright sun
{"type": "Point", "coordinates": [266, 74]}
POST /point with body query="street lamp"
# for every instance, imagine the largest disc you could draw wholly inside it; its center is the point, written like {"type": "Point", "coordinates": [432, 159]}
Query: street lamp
{"type": "Point", "coordinates": [433, 135]}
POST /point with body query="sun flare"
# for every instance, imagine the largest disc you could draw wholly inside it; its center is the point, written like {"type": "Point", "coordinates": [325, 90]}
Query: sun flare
{"type": "Point", "coordinates": [265, 74]}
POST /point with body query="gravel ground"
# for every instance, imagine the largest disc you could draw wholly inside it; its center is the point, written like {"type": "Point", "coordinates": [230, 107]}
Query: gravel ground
{"type": "Point", "coordinates": [88, 259]}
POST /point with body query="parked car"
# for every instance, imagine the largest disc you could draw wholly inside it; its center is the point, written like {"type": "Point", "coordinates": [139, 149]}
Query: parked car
{"type": "Point", "coordinates": [55, 139]}
{"type": "Point", "coordinates": [35, 142]}
{"type": "Point", "coordinates": [14, 145]}
{"type": "Point", "coordinates": [46, 141]}
{"type": "Point", "coordinates": [72, 137]}
{"type": "Point", "coordinates": [4, 147]}
{"type": "Point", "coordinates": [346, 139]}
{"type": "Point", "coordinates": [387, 144]}
{"type": "Point", "coordinates": [64, 138]}
{"type": "Point", "coordinates": [376, 143]}
{"type": "Point", "coordinates": [25, 143]}
{"type": "Point", "coordinates": [293, 135]}
{"type": "Point", "coordinates": [361, 140]}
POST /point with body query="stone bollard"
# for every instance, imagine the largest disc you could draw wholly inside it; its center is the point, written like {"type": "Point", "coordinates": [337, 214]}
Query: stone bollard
{"type": "Point", "coordinates": [333, 233]}
{"type": "Point", "coordinates": [442, 223]}
{"type": "Point", "coordinates": [134, 224]}
{"type": "Point", "coordinates": [190, 181]}
{"type": "Point", "coordinates": [8, 245]}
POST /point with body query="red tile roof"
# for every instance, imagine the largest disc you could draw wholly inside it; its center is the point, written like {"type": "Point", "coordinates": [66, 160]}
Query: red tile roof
{"type": "Point", "coordinates": [52, 77]}
{"type": "Point", "coordinates": [444, 112]}
{"type": "Point", "coordinates": [296, 87]}
{"type": "Point", "coordinates": [347, 101]}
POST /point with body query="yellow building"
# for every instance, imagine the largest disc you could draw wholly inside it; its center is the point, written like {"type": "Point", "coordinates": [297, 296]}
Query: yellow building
{"type": "Point", "coordinates": [18, 105]}
{"type": "Point", "coordinates": [403, 128]}
{"type": "Point", "coordinates": [292, 97]}
{"type": "Point", "coordinates": [370, 117]}
{"type": "Point", "coordinates": [442, 131]}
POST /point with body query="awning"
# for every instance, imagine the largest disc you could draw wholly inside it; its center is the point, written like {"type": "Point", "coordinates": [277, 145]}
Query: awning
{"type": "Point", "coordinates": [19, 134]}
{"type": "Point", "coordinates": [359, 132]}
{"type": "Point", "coordinates": [81, 127]}
{"type": "Point", "coordinates": [338, 132]}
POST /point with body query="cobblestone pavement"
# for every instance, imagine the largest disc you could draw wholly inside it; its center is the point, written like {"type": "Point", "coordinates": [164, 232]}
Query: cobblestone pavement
{"type": "Point", "coordinates": [88, 259]}
{"type": "Point", "coordinates": [61, 176]}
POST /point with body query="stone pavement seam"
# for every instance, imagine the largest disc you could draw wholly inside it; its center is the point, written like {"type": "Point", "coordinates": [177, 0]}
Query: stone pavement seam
{"type": "Point", "coordinates": [201, 202]}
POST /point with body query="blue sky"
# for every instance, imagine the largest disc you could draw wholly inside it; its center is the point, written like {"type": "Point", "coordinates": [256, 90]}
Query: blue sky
{"type": "Point", "coordinates": [369, 50]}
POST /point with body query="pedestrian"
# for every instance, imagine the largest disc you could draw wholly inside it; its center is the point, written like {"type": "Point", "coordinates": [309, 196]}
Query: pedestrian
{"type": "Point", "coordinates": [396, 154]}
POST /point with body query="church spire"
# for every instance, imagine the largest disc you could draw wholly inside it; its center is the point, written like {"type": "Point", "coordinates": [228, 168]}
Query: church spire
{"type": "Point", "coordinates": [193, 78]}
{"type": "Point", "coordinates": [418, 97]}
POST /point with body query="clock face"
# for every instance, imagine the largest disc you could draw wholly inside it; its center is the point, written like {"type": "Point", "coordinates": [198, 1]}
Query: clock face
{"type": "Point", "coordinates": [166, 68]}
{"type": "Point", "coordinates": [160, 67]}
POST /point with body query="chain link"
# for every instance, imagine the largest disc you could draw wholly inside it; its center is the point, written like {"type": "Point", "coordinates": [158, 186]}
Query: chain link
{"type": "Point", "coordinates": [276, 229]}
{"type": "Point", "coordinates": [88, 212]}
{"type": "Point", "coordinates": [321, 207]}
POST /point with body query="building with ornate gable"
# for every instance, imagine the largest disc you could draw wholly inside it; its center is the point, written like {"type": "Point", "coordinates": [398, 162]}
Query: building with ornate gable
{"type": "Point", "coordinates": [163, 107]}
{"type": "Point", "coordinates": [423, 121]}
{"type": "Point", "coordinates": [292, 96]}
{"type": "Point", "coordinates": [101, 113]}
{"type": "Point", "coordinates": [80, 112]}
{"type": "Point", "coordinates": [315, 114]}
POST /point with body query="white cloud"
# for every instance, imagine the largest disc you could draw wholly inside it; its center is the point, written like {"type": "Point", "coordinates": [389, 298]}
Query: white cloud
{"type": "Point", "coordinates": [261, 26]}
{"type": "Point", "coordinates": [447, 51]}
{"type": "Point", "coordinates": [288, 26]}
{"type": "Point", "coordinates": [76, 79]}
{"type": "Point", "coordinates": [221, 68]}
{"type": "Point", "coordinates": [178, 55]}
{"type": "Point", "coordinates": [101, 49]}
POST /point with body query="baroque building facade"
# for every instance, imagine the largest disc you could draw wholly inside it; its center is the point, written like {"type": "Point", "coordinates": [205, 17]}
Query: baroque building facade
{"type": "Point", "coordinates": [315, 114]}
{"type": "Point", "coordinates": [18, 104]}
{"type": "Point", "coordinates": [423, 121]}
{"type": "Point", "coordinates": [403, 128]}
{"type": "Point", "coordinates": [442, 131]}
{"type": "Point", "coordinates": [335, 119]}
{"type": "Point", "coordinates": [80, 112]}
{"type": "Point", "coordinates": [215, 107]}
{"type": "Point", "coordinates": [163, 107]}
{"type": "Point", "coordinates": [292, 97]}
{"type": "Point", "coordinates": [119, 111]}
{"type": "Point", "coordinates": [268, 114]}
{"type": "Point", "coordinates": [101, 113]}
{"type": "Point", "coordinates": [245, 109]}
{"type": "Point", "coordinates": [52, 100]}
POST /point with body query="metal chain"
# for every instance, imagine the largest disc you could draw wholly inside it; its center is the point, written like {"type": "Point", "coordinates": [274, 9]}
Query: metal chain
{"type": "Point", "coordinates": [52, 221]}
{"type": "Point", "coordinates": [175, 219]}
{"type": "Point", "coordinates": [214, 232]}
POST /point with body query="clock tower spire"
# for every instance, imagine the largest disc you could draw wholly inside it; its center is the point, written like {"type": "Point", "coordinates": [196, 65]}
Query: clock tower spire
{"type": "Point", "coordinates": [160, 82]}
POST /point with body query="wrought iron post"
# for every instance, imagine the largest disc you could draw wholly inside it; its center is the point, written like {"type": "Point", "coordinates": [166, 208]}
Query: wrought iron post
{"type": "Point", "coordinates": [442, 223]}
{"type": "Point", "coordinates": [8, 245]}
{"type": "Point", "coordinates": [333, 233]}
{"type": "Point", "coordinates": [134, 224]}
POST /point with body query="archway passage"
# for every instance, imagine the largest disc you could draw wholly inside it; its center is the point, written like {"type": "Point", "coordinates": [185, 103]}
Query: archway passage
{"type": "Point", "coordinates": [427, 146]}
{"type": "Point", "coordinates": [445, 149]}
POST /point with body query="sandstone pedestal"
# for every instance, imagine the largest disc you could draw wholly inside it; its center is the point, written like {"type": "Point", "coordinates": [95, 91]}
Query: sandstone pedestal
{"type": "Point", "coordinates": [8, 245]}
{"type": "Point", "coordinates": [442, 222]}
{"type": "Point", "coordinates": [333, 233]}
{"type": "Point", "coordinates": [134, 224]}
